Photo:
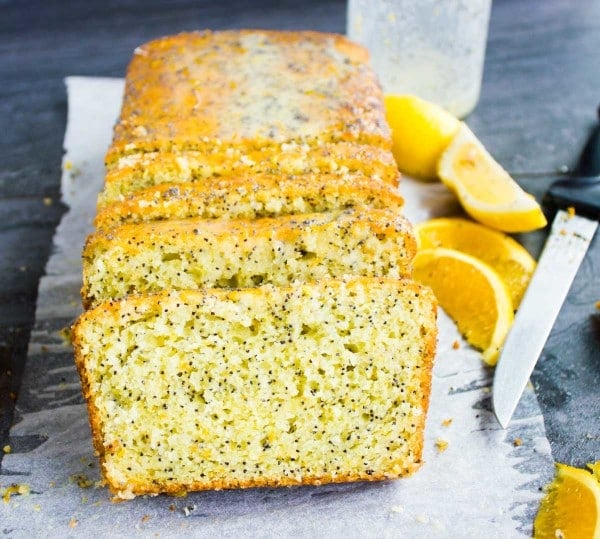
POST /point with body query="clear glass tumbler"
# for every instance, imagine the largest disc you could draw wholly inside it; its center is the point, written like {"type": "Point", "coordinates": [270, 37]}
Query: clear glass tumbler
{"type": "Point", "coordinates": [431, 48]}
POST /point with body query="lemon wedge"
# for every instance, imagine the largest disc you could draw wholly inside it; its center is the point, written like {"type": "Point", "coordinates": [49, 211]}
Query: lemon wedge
{"type": "Point", "coordinates": [485, 190]}
{"type": "Point", "coordinates": [472, 293]}
{"type": "Point", "coordinates": [505, 255]}
{"type": "Point", "coordinates": [571, 506]}
{"type": "Point", "coordinates": [421, 130]}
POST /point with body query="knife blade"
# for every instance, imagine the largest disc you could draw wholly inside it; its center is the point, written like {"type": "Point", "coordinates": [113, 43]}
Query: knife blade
{"type": "Point", "coordinates": [570, 235]}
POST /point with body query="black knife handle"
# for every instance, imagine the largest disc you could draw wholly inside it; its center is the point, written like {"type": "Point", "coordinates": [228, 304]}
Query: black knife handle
{"type": "Point", "coordinates": [582, 191]}
{"type": "Point", "coordinates": [582, 194]}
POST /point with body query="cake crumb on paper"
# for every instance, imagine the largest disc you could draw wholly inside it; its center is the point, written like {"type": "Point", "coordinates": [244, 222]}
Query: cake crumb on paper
{"type": "Point", "coordinates": [447, 422]}
{"type": "Point", "coordinates": [82, 480]}
{"type": "Point", "coordinates": [517, 442]}
{"type": "Point", "coordinates": [456, 345]}
{"type": "Point", "coordinates": [21, 489]}
{"type": "Point", "coordinates": [441, 445]}
{"type": "Point", "coordinates": [73, 523]}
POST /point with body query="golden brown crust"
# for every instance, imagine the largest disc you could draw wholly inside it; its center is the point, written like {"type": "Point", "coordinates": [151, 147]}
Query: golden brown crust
{"type": "Point", "coordinates": [430, 336]}
{"type": "Point", "coordinates": [141, 488]}
{"type": "Point", "coordinates": [249, 197]}
{"type": "Point", "coordinates": [250, 87]}
{"type": "Point", "coordinates": [93, 413]}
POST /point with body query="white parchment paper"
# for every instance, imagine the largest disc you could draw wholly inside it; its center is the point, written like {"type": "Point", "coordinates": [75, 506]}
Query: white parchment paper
{"type": "Point", "coordinates": [485, 483]}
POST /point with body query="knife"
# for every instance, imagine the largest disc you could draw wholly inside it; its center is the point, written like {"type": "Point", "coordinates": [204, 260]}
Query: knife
{"type": "Point", "coordinates": [576, 201]}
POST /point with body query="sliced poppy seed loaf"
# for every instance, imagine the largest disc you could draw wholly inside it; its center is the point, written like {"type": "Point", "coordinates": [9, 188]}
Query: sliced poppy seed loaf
{"type": "Point", "coordinates": [305, 384]}
{"type": "Point", "coordinates": [251, 318]}
{"type": "Point", "coordinates": [238, 253]}
{"type": "Point", "coordinates": [250, 197]}
{"type": "Point", "coordinates": [138, 171]}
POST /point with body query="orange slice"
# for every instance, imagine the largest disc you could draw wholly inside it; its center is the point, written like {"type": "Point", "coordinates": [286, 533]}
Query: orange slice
{"type": "Point", "coordinates": [472, 293]}
{"type": "Point", "coordinates": [505, 255]}
{"type": "Point", "coordinates": [571, 506]}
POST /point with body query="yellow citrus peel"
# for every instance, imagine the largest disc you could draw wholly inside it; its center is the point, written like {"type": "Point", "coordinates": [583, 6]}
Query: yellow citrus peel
{"type": "Point", "coordinates": [421, 130]}
{"type": "Point", "coordinates": [485, 190]}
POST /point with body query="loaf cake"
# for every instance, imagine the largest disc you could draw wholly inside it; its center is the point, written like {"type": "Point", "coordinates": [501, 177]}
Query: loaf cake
{"type": "Point", "coordinates": [137, 171]}
{"type": "Point", "coordinates": [250, 197]}
{"type": "Point", "coordinates": [305, 384]}
{"type": "Point", "coordinates": [251, 318]}
{"type": "Point", "coordinates": [207, 253]}
{"type": "Point", "coordinates": [218, 92]}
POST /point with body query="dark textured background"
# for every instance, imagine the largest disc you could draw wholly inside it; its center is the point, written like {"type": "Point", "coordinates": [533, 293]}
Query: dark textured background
{"type": "Point", "coordinates": [540, 93]}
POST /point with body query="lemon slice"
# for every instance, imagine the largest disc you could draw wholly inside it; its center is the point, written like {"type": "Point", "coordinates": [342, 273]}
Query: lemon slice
{"type": "Point", "coordinates": [510, 260]}
{"type": "Point", "coordinates": [472, 293]}
{"type": "Point", "coordinates": [485, 190]}
{"type": "Point", "coordinates": [420, 132]}
{"type": "Point", "coordinates": [571, 506]}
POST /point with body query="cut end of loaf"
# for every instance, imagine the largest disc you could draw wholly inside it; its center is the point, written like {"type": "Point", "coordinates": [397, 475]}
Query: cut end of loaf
{"type": "Point", "coordinates": [198, 253]}
{"type": "Point", "coordinates": [311, 383]}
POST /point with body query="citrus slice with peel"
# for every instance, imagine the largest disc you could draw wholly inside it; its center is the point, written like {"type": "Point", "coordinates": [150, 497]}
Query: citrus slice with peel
{"type": "Point", "coordinates": [471, 293]}
{"type": "Point", "coordinates": [421, 130]}
{"type": "Point", "coordinates": [485, 190]}
{"type": "Point", "coordinates": [505, 255]}
{"type": "Point", "coordinates": [571, 506]}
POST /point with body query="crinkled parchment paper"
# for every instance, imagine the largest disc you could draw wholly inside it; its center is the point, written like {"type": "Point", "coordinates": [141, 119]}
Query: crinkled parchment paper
{"type": "Point", "coordinates": [485, 483]}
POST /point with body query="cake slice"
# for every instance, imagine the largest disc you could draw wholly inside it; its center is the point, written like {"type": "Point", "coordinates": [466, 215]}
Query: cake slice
{"type": "Point", "coordinates": [250, 197]}
{"type": "Point", "coordinates": [305, 384]}
{"type": "Point", "coordinates": [248, 89]}
{"type": "Point", "coordinates": [137, 171]}
{"type": "Point", "coordinates": [200, 253]}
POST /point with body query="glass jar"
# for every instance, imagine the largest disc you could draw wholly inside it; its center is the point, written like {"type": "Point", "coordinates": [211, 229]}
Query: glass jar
{"type": "Point", "coordinates": [434, 49]}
